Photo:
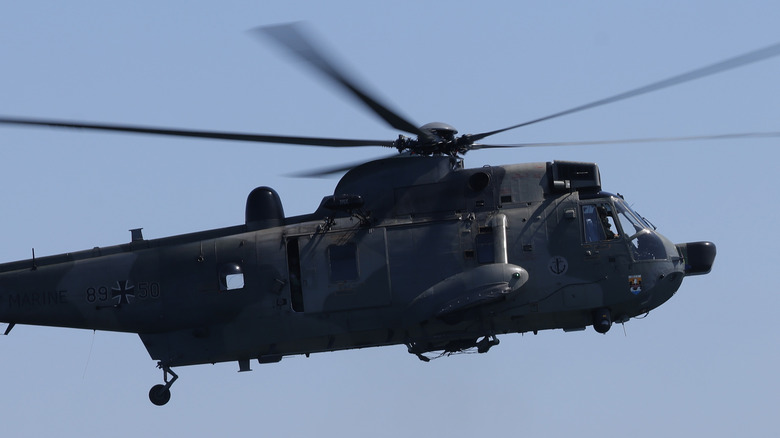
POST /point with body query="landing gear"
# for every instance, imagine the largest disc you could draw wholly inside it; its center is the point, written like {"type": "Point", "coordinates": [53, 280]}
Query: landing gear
{"type": "Point", "coordinates": [450, 347]}
{"type": "Point", "coordinates": [161, 394]}
{"type": "Point", "coordinates": [484, 345]}
{"type": "Point", "coordinates": [602, 320]}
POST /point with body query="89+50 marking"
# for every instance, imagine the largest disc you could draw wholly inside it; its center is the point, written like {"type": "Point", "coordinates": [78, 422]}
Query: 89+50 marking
{"type": "Point", "coordinates": [124, 292]}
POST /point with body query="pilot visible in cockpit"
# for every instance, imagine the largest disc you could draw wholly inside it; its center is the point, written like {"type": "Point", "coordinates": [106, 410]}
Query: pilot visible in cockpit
{"type": "Point", "coordinates": [606, 223]}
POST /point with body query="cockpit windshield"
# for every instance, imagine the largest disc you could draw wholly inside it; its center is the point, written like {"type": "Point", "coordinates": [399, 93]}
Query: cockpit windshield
{"type": "Point", "coordinates": [629, 221]}
{"type": "Point", "coordinates": [613, 219]}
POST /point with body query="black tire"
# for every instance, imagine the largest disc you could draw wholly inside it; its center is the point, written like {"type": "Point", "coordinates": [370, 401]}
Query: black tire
{"type": "Point", "coordinates": [159, 395]}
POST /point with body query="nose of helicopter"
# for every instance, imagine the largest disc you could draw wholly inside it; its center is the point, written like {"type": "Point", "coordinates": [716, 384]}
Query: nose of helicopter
{"type": "Point", "coordinates": [657, 282]}
{"type": "Point", "coordinates": [698, 256]}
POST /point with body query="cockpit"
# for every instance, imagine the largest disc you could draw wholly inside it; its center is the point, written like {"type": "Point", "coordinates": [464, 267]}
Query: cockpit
{"type": "Point", "coordinates": [610, 219]}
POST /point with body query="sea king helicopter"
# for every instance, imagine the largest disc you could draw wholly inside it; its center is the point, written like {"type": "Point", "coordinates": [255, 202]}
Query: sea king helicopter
{"type": "Point", "coordinates": [415, 249]}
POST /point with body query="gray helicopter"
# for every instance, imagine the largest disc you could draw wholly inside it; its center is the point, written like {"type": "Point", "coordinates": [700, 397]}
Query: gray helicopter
{"type": "Point", "coordinates": [415, 249]}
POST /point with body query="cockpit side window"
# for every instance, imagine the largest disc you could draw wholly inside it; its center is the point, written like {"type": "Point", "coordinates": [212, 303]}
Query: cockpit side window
{"type": "Point", "coordinates": [608, 220]}
{"type": "Point", "coordinates": [599, 222]}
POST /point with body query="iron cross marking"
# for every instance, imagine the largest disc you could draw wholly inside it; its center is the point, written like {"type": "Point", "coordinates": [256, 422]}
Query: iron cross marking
{"type": "Point", "coordinates": [123, 291]}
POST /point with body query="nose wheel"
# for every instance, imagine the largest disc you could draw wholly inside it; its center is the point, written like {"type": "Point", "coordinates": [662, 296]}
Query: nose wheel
{"type": "Point", "coordinates": [602, 320]}
{"type": "Point", "coordinates": [160, 394]}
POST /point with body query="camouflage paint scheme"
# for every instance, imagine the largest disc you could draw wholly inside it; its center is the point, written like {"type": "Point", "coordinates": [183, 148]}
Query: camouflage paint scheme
{"type": "Point", "coordinates": [409, 250]}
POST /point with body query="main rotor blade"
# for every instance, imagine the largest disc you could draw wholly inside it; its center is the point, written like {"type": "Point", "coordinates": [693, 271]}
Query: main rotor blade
{"type": "Point", "coordinates": [631, 140]}
{"type": "Point", "coordinates": [731, 63]}
{"type": "Point", "coordinates": [259, 138]}
{"type": "Point", "coordinates": [328, 171]}
{"type": "Point", "coordinates": [292, 38]}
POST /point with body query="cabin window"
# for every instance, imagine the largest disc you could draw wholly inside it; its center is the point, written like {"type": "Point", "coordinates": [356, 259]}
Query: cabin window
{"type": "Point", "coordinates": [234, 281]}
{"type": "Point", "coordinates": [231, 277]}
{"type": "Point", "coordinates": [343, 263]}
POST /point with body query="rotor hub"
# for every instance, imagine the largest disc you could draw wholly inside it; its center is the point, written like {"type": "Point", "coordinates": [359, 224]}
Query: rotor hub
{"type": "Point", "coordinates": [441, 130]}
{"type": "Point", "coordinates": [440, 140]}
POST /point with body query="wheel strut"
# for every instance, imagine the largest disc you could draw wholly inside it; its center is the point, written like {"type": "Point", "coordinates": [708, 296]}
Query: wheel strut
{"type": "Point", "coordinates": [161, 394]}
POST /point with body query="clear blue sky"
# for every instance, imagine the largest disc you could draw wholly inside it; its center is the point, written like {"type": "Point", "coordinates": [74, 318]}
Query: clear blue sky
{"type": "Point", "coordinates": [705, 363]}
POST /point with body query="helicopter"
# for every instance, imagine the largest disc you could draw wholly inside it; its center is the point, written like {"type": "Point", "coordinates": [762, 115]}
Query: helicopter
{"type": "Point", "coordinates": [414, 249]}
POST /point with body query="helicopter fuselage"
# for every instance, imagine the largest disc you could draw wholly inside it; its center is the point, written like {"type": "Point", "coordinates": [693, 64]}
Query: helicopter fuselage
{"type": "Point", "coordinates": [409, 250]}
